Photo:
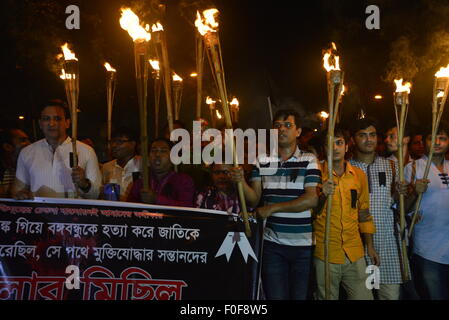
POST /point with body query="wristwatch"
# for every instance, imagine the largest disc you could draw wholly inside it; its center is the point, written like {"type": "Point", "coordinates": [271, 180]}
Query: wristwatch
{"type": "Point", "coordinates": [87, 188]}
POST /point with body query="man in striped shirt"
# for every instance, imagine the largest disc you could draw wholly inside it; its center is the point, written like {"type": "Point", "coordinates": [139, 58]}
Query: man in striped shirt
{"type": "Point", "coordinates": [288, 186]}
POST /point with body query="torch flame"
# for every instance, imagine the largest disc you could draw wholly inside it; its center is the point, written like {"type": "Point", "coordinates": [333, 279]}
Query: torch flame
{"type": "Point", "coordinates": [154, 64]}
{"type": "Point", "coordinates": [65, 76]}
{"type": "Point", "coordinates": [129, 21]}
{"type": "Point", "coordinates": [209, 24]}
{"type": "Point", "coordinates": [234, 102]}
{"type": "Point", "coordinates": [324, 114]}
{"type": "Point", "coordinates": [218, 114]}
{"type": "Point", "coordinates": [402, 87]}
{"type": "Point", "coordinates": [209, 100]}
{"type": "Point", "coordinates": [157, 27]}
{"type": "Point", "coordinates": [108, 67]}
{"type": "Point", "coordinates": [440, 94]}
{"type": "Point", "coordinates": [343, 89]}
{"type": "Point", "coordinates": [68, 55]}
{"type": "Point", "coordinates": [328, 55]}
{"type": "Point", "coordinates": [176, 77]}
{"type": "Point", "coordinates": [443, 72]}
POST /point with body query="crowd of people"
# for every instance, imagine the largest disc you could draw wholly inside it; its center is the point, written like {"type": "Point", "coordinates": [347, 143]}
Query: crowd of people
{"type": "Point", "coordinates": [292, 198]}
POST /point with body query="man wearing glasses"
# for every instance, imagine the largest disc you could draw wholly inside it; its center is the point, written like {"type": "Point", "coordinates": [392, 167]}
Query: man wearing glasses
{"type": "Point", "coordinates": [126, 162]}
{"type": "Point", "coordinates": [44, 168]}
{"type": "Point", "coordinates": [288, 185]}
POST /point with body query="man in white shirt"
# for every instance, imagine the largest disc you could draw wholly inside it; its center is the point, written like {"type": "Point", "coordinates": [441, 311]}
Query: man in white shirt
{"type": "Point", "coordinates": [125, 163]}
{"type": "Point", "coordinates": [43, 168]}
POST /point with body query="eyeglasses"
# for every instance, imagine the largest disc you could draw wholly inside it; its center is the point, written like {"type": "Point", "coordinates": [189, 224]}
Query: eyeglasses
{"type": "Point", "coordinates": [119, 141]}
{"type": "Point", "coordinates": [217, 172]}
{"type": "Point", "coordinates": [279, 124]}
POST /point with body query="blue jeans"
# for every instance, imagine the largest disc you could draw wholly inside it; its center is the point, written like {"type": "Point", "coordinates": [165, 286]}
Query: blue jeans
{"type": "Point", "coordinates": [431, 278]}
{"type": "Point", "coordinates": [285, 271]}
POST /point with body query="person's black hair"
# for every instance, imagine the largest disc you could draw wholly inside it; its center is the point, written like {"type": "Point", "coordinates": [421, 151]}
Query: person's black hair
{"type": "Point", "coordinates": [125, 132]}
{"type": "Point", "coordinates": [340, 132]}
{"type": "Point", "coordinates": [283, 114]}
{"type": "Point", "coordinates": [443, 128]}
{"type": "Point", "coordinates": [167, 141]}
{"type": "Point", "coordinates": [361, 124]}
{"type": "Point", "coordinates": [56, 103]}
{"type": "Point", "coordinates": [391, 125]}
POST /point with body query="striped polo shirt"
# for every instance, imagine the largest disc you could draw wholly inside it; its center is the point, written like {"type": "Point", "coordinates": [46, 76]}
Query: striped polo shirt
{"type": "Point", "coordinates": [285, 181]}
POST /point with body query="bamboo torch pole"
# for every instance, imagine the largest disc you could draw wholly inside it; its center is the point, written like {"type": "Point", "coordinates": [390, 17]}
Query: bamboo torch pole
{"type": "Point", "coordinates": [177, 94]}
{"type": "Point", "coordinates": [401, 98]}
{"type": "Point", "coordinates": [130, 22]}
{"type": "Point", "coordinates": [440, 93]}
{"type": "Point", "coordinates": [156, 74]}
{"type": "Point", "coordinates": [159, 36]}
{"type": "Point", "coordinates": [71, 83]}
{"type": "Point", "coordinates": [212, 43]}
{"type": "Point", "coordinates": [199, 71]}
{"type": "Point", "coordinates": [334, 78]}
{"type": "Point", "coordinates": [110, 92]}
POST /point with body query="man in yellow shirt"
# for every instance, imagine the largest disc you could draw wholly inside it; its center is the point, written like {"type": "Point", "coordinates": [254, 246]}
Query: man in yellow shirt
{"type": "Point", "coordinates": [351, 227]}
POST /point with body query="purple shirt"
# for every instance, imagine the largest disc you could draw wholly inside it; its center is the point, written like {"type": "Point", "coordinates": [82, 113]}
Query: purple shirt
{"type": "Point", "coordinates": [174, 189]}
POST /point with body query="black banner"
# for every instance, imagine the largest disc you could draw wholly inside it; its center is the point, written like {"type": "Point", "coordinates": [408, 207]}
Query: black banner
{"type": "Point", "coordinates": [68, 249]}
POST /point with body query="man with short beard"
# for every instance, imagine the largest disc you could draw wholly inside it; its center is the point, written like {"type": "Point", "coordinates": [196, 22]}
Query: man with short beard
{"type": "Point", "coordinates": [288, 184]}
{"type": "Point", "coordinates": [391, 142]}
{"type": "Point", "coordinates": [382, 179]}
{"type": "Point", "coordinates": [430, 259]}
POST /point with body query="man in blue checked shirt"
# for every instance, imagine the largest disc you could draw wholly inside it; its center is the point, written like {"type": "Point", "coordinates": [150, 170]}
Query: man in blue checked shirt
{"type": "Point", "coordinates": [288, 186]}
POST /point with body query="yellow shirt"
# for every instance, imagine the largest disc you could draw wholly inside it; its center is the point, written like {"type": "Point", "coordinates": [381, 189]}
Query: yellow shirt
{"type": "Point", "coordinates": [349, 217]}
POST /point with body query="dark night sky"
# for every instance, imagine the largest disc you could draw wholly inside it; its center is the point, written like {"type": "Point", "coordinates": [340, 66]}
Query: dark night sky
{"type": "Point", "coordinates": [269, 47]}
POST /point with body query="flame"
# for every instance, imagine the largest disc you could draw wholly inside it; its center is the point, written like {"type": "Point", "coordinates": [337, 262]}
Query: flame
{"type": "Point", "coordinates": [194, 74]}
{"type": "Point", "coordinates": [218, 114]}
{"type": "Point", "coordinates": [402, 87]}
{"type": "Point", "coordinates": [443, 72]}
{"type": "Point", "coordinates": [324, 114]}
{"type": "Point", "coordinates": [108, 67]}
{"type": "Point", "coordinates": [130, 22]}
{"type": "Point", "coordinates": [440, 94]}
{"type": "Point", "coordinates": [176, 77]}
{"type": "Point", "coordinates": [65, 76]}
{"type": "Point", "coordinates": [209, 24]}
{"type": "Point", "coordinates": [68, 55]}
{"type": "Point", "coordinates": [378, 97]}
{"type": "Point", "coordinates": [343, 90]}
{"type": "Point", "coordinates": [234, 102]}
{"type": "Point", "coordinates": [328, 55]}
{"type": "Point", "coordinates": [154, 64]}
{"type": "Point", "coordinates": [157, 27]}
{"type": "Point", "coordinates": [209, 100]}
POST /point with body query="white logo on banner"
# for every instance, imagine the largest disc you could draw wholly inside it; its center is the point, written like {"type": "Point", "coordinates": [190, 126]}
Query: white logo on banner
{"type": "Point", "coordinates": [229, 243]}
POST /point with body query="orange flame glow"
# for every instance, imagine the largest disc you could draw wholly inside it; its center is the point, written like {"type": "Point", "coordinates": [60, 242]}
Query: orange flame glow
{"type": "Point", "coordinates": [177, 78]}
{"type": "Point", "coordinates": [329, 55]}
{"type": "Point", "coordinates": [219, 116]}
{"type": "Point", "coordinates": [402, 87]}
{"type": "Point", "coordinates": [443, 72]}
{"type": "Point", "coordinates": [154, 64]}
{"type": "Point", "coordinates": [157, 27]}
{"type": "Point", "coordinates": [129, 21]}
{"type": "Point", "coordinates": [234, 102]}
{"type": "Point", "coordinates": [68, 55]}
{"type": "Point", "coordinates": [108, 67]}
{"type": "Point", "coordinates": [208, 23]}
{"type": "Point", "coordinates": [210, 101]}
{"type": "Point", "coordinates": [324, 114]}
